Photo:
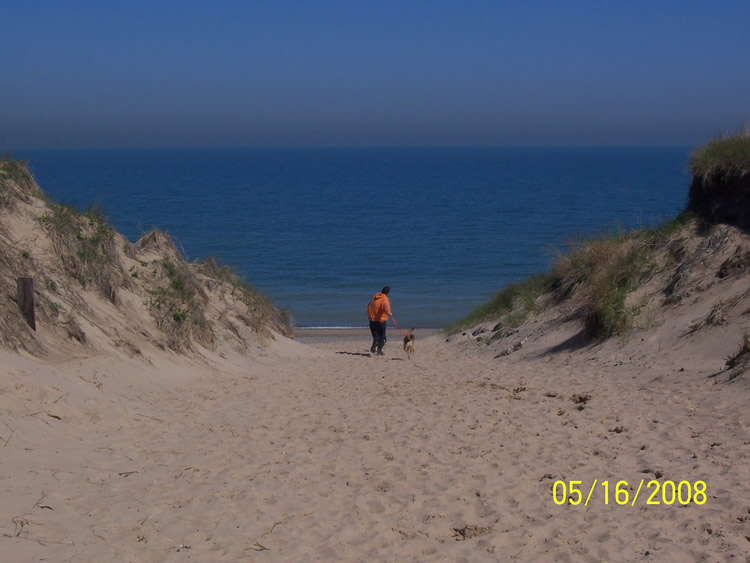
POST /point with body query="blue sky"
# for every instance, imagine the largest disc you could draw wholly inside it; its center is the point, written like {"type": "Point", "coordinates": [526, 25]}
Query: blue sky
{"type": "Point", "coordinates": [381, 73]}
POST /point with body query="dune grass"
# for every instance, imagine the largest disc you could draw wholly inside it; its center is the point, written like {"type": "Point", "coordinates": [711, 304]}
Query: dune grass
{"type": "Point", "coordinates": [603, 272]}
{"type": "Point", "coordinates": [17, 172]}
{"type": "Point", "coordinates": [726, 156]}
{"type": "Point", "coordinates": [14, 169]}
{"type": "Point", "coordinates": [738, 362]}
{"type": "Point", "coordinates": [599, 271]}
{"type": "Point", "coordinates": [510, 306]}
{"type": "Point", "coordinates": [85, 244]}
{"type": "Point", "coordinates": [263, 314]}
{"type": "Point", "coordinates": [178, 306]}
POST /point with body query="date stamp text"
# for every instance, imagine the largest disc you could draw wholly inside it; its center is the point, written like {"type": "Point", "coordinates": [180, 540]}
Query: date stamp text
{"type": "Point", "coordinates": [621, 493]}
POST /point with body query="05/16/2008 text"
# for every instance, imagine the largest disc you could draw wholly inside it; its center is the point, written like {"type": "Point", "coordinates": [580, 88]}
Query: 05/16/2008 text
{"type": "Point", "coordinates": [667, 492]}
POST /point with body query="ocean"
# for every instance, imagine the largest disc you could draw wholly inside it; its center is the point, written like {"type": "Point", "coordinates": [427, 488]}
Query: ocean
{"type": "Point", "coordinates": [319, 231]}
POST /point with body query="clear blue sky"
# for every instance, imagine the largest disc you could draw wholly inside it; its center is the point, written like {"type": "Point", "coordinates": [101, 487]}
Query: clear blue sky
{"type": "Point", "coordinates": [340, 73]}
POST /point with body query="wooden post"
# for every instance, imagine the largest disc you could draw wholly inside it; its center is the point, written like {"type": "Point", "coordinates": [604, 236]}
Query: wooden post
{"type": "Point", "coordinates": [25, 290]}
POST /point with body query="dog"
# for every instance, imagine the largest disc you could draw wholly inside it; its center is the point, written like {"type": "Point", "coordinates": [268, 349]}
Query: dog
{"type": "Point", "coordinates": [409, 343]}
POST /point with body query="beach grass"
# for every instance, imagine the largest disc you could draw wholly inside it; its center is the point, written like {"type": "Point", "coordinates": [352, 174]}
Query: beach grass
{"type": "Point", "coordinates": [263, 313]}
{"type": "Point", "coordinates": [720, 186]}
{"type": "Point", "coordinates": [603, 271]}
{"type": "Point", "coordinates": [738, 362]}
{"type": "Point", "coordinates": [17, 171]}
{"type": "Point", "coordinates": [511, 306]}
{"type": "Point", "coordinates": [178, 305]}
{"type": "Point", "coordinates": [85, 244]}
{"type": "Point", "coordinates": [14, 169]}
{"type": "Point", "coordinates": [725, 156]}
{"type": "Point", "coordinates": [600, 272]}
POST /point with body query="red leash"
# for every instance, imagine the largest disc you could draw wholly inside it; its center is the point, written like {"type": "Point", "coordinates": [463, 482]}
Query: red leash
{"type": "Point", "coordinates": [398, 327]}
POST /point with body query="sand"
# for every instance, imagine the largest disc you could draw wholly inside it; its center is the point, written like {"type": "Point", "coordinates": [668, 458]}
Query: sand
{"type": "Point", "coordinates": [318, 450]}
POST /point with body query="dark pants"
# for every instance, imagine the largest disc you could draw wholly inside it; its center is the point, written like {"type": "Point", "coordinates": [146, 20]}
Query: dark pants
{"type": "Point", "coordinates": [378, 334]}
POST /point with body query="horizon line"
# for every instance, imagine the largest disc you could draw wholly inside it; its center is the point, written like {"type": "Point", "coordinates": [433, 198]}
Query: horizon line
{"type": "Point", "coordinates": [350, 147]}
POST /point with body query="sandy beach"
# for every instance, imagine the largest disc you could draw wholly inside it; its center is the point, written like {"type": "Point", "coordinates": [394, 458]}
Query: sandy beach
{"type": "Point", "coordinates": [162, 411]}
{"type": "Point", "coordinates": [323, 452]}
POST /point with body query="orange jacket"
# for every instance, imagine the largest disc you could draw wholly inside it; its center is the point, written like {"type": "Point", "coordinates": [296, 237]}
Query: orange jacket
{"type": "Point", "coordinates": [379, 308]}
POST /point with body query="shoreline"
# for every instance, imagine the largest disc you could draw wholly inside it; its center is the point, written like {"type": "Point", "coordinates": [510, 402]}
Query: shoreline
{"type": "Point", "coordinates": [349, 334]}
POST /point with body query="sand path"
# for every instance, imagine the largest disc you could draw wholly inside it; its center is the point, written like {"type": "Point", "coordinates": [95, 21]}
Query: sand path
{"type": "Point", "coordinates": [329, 453]}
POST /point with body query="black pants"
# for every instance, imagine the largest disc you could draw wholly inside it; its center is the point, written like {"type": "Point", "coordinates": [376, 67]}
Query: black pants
{"type": "Point", "coordinates": [378, 334]}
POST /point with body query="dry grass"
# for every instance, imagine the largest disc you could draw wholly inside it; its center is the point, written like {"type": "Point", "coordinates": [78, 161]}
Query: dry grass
{"type": "Point", "coordinates": [16, 182]}
{"type": "Point", "coordinates": [716, 316]}
{"type": "Point", "coordinates": [603, 272]}
{"type": "Point", "coordinates": [85, 244]}
{"type": "Point", "coordinates": [739, 361]}
{"type": "Point", "coordinates": [17, 171]}
{"type": "Point", "coordinates": [261, 313]}
{"type": "Point", "coordinates": [599, 273]}
{"type": "Point", "coordinates": [725, 156]}
{"type": "Point", "coordinates": [178, 305]}
{"type": "Point", "coordinates": [513, 305]}
{"type": "Point", "coordinates": [720, 187]}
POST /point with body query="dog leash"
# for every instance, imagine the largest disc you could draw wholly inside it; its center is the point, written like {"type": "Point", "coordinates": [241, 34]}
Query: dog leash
{"type": "Point", "coordinates": [398, 327]}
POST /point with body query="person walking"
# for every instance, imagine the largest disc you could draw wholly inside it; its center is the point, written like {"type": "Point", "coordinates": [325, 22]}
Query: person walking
{"type": "Point", "coordinates": [378, 311]}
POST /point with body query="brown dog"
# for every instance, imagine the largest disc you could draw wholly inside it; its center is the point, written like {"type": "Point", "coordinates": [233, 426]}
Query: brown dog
{"type": "Point", "coordinates": [409, 343]}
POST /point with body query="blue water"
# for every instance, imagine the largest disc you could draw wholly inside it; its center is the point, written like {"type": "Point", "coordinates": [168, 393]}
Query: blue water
{"type": "Point", "coordinates": [320, 230]}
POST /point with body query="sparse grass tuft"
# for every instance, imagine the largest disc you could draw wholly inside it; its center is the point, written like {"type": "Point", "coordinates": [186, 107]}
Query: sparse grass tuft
{"type": "Point", "coordinates": [670, 228]}
{"type": "Point", "coordinates": [15, 181]}
{"type": "Point", "coordinates": [715, 317]}
{"type": "Point", "coordinates": [17, 171]}
{"type": "Point", "coordinates": [738, 361]}
{"type": "Point", "coordinates": [262, 314]}
{"type": "Point", "coordinates": [513, 305]}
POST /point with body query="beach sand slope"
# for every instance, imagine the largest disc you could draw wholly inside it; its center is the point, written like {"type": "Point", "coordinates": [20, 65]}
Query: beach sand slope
{"type": "Point", "coordinates": [325, 452]}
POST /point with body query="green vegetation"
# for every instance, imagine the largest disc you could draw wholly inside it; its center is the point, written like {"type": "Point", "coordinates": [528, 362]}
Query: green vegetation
{"type": "Point", "coordinates": [85, 244]}
{"type": "Point", "coordinates": [723, 157]}
{"type": "Point", "coordinates": [511, 306]}
{"type": "Point", "coordinates": [605, 271]}
{"type": "Point", "coordinates": [600, 272]}
{"type": "Point", "coordinates": [178, 307]}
